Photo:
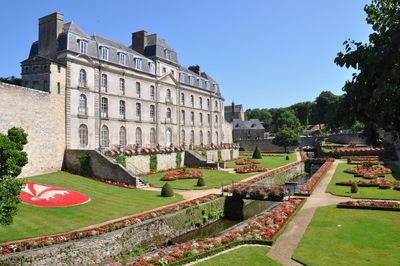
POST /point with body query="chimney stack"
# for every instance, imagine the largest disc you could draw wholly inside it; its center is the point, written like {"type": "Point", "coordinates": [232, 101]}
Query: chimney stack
{"type": "Point", "coordinates": [139, 41]}
{"type": "Point", "coordinates": [195, 69]}
{"type": "Point", "coordinates": [49, 28]}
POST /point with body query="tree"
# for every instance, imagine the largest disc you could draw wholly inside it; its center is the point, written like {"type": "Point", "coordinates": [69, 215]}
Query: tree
{"type": "Point", "coordinates": [257, 153]}
{"type": "Point", "coordinates": [12, 159]}
{"type": "Point", "coordinates": [322, 104]}
{"type": "Point", "coordinates": [286, 137]}
{"type": "Point", "coordinates": [373, 94]}
{"type": "Point", "coordinates": [289, 120]}
{"type": "Point", "coordinates": [264, 115]}
{"type": "Point", "coordinates": [302, 111]}
{"type": "Point", "coordinates": [12, 80]}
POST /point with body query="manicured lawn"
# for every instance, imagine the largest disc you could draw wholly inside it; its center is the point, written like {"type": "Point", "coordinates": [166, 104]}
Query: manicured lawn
{"type": "Point", "coordinates": [351, 237]}
{"type": "Point", "coordinates": [269, 162]}
{"type": "Point", "coordinates": [363, 192]}
{"type": "Point", "coordinates": [213, 179]}
{"type": "Point", "coordinates": [107, 202]}
{"type": "Point", "coordinates": [253, 256]}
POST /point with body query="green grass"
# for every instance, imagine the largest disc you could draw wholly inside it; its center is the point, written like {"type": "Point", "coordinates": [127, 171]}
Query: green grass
{"type": "Point", "coordinates": [213, 179]}
{"type": "Point", "coordinates": [107, 202]}
{"type": "Point", "coordinates": [351, 237]}
{"type": "Point", "coordinates": [254, 256]}
{"type": "Point", "coordinates": [363, 192]}
{"type": "Point", "coordinates": [269, 162]}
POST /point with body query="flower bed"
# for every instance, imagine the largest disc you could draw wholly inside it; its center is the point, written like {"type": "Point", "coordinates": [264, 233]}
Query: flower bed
{"type": "Point", "coordinates": [261, 230]}
{"type": "Point", "coordinates": [356, 149]}
{"type": "Point", "coordinates": [247, 161]}
{"type": "Point", "coordinates": [379, 182]}
{"type": "Point", "coordinates": [194, 174]}
{"type": "Point", "coordinates": [368, 171]}
{"type": "Point", "coordinates": [17, 246]}
{"type": "Point", "coordinates": [371, 205]}
{"type": "Point", "coordinates": [308, 187]}
{"type": "Point", "coordinates": [249, 191]}
{"type": "Point", "coordinates": [250, 169]}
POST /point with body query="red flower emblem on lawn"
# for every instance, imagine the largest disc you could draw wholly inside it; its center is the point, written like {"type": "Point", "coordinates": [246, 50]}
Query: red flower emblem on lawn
{"type": "Point", "coordinates": [49, 196]}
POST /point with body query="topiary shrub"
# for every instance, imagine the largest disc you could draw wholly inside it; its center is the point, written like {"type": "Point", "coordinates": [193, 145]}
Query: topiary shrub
{"type": "Point", "coordinates": [354, 188]}
{"type": "Point", "coordinates": [121, 159]}
{"type": "Point", "coordinates": [257, 153]}
{"type": "Point", "coordinates": [219, 155]}
{"type": "Point", "coordinates": [178, 159]}
{"type": "Point", "coordinates": [204, 153]}
{"type": "Point", "coordinates": [85, 167]}
{"type": "Point", "coordinates": [287, 157]}
{"type": "Point", "coordinates": [201, 182]}
{"type": "Point", "coordinates": [153, 162]}
{"type": "Point", "coordinates": [167, 191]}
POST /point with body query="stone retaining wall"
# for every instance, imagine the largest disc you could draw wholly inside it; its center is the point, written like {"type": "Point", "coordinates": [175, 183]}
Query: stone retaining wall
{"type": "Point", "coordinates": [282, 176]}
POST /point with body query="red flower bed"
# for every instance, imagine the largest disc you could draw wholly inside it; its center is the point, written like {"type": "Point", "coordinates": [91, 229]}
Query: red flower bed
{"type": "Point", "coordinates": [369, 171]}
{"type": "Point", "coordinates": [355, 149]}
{"type": "Point", "coordinates": [309, 186]}
{"type": "Point", "coordinates": [263, 228]}
{"type": "Point", "coordinates": [250, 191]}
{"type": "Point", "coordinates": [379, 182]}
{"type": "Point", "coordinates": [371, 204]}
{"type": "Point", "coordinates": [182, 175]}
{"type": "Point", "coordinates": [22, 245]}
{"type": "Point", "coordinates": [250, 169]}
{"type": "Point", "coordinates": [247, 161]}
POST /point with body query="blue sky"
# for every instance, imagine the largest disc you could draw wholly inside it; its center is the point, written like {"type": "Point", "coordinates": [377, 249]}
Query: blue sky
{"type": "Point", "coordinates": [264, 53]}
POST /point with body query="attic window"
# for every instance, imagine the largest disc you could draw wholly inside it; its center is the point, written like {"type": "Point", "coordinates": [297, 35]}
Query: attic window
{"type": "Point", "coordinates": [152, 68]}
{"type": "Point", "coordinates": [138, 63]}
{"type": "Point", "coordinates": [253, 125]}
{"type": "Point", "coordinates": [104, 52]}
{"type": "Point", "coordinates": [167, 54]}
{"type": "Point", "coordinates": [82, 46]}
{"type": "Point", "coordinates": [237, 125]}
{"type": "Point", "coordinates": [122, 58]}
{"type": "Point", "coordinates": [181, 77]}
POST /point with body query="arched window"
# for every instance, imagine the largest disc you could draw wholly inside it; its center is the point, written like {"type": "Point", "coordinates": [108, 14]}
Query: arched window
{"type": "Point", "coordinates": [138, 111]}
{"type": "Point", "coordinates": [209, 137]}
{"type": "Point", "coordinates": [139, 136]}
{"type": "Point", "coordinates": [182, 99]}
{"type": "Point", "coordinates": [168, 95]}
{"type": "Point", "coordinates": [104, 136]}
{"type": "Point", "coordinates": [122, 86]}
{"type": "Point", "coordinates": [104, 107]}
{"type": "Point", "coordinates": [153, 137]}
{"type": "Point", "coordinates": [152, 93]}
{"type": "Point", "coordinates": [152, 112]}
{"type": "Point", "coordinates": [216, 105]}
{"type": "Point", "coordinates": [82, 105]}
{"type": "Point", "coordinates": [122, 109]}
{"type": "Point", "coordinates": [201, 137]}
{"type": "Point", "coordinates": [169, 113]}
{"type": "Point", "coordinates": [183, 137]}
{"type": "Point", "coordinates": [216, 120]}
{"type": "Point", "coordinates": [216, 138]}
{"type": "Point", "coordinates": [192, 137]}
{"type": "Point", "coordinates": [208, 103]}
{"type": "Point", "coordinates": [201, 119]}
{"type": "Point", "coordinates": [122, 136]}
{"type": "Point", "coordinates": [83, 135]}
{"type": "Point", "coordinates": [138, 91]}
{"type": "Point", "coordinates": [82, 78]}
{"type": "Point", "coordinates": [168, 137]}
{"type": "Point", "coordinates": [192, 100]}
{"type": "Point", "coordinates": [201, 102]}
{"type": "Point", "coordinates": [104, 82]}
{"type": "Point", "coordinates": [183, 117]}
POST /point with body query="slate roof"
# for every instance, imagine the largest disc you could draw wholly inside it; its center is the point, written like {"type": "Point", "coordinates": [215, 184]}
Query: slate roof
{"type": "Point", "coordinates": [250, 124]}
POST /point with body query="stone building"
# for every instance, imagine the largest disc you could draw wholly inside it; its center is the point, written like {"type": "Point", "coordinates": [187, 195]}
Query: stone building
{"type": "Point", "coordinates": [234, 112]}
{"type": "Point", "coordinates": [118, 95]}
{"type": "Point", "coordinates": [246, 130]}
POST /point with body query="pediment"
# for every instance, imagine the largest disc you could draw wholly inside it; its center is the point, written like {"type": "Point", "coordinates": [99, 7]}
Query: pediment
{"type": "Point", "coordinates": [168, 78]}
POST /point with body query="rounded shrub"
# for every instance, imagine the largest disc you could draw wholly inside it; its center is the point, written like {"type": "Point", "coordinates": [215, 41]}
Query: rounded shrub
{"type": "Point", "coordinates": [167, 191]}
{"type": "Point", "coordinates": [257, 153]}
{"type": "Point", "coordinates": [287, 157]}
{"type": "Point", "coordinates": [354, 188]}
{"type": "Point", "coordinates": [201, 182]}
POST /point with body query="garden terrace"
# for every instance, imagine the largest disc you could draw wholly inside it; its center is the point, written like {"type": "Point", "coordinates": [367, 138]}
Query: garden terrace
{"type": "Point", "coordinates": [257, 192]}
{"type": "Point", "coordinates": [268, 160]}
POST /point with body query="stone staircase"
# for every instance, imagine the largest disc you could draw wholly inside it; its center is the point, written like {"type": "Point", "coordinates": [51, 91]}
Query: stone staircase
{"type": "Point", "coordinates": [196, 159]}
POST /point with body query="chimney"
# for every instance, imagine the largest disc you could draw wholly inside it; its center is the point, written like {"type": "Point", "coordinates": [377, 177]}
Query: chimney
{"type": "Point", "coordinates": [233, 109]}
{"type": "Point", "coordinates": [49, 28]}
{"type": "Point", "coordinates": [139, 41]}
{"type": "Point", "coordinates": [195, 69]}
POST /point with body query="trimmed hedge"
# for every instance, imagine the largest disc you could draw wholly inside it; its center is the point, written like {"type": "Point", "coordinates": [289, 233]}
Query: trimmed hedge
{"type": "Point", "coordinates": [167, 191]}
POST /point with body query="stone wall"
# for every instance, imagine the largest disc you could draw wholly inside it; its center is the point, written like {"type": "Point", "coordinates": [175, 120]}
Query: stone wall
{"type": "Point", "coordinates": [282, 176]}
{"type": "Point", "coordinates": [263, 145]}
{"type": "Point", "coordinates": [116, 245]}
{"type": "Point", "coordinates": [42, 116]}
{"type": "Point", "coordinates": [102, 166]}
{"type": "Point", "coordinates": [140, 164]}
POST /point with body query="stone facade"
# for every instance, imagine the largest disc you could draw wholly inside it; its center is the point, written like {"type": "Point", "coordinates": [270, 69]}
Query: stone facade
{"type": "Point", "coordinates": [42, 116]}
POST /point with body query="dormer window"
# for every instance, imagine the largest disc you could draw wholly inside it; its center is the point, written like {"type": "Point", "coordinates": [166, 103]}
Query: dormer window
{"type": "Point", "coordinates": [82, 45]}
{"type": "Point", "coordinates": [167, 54]}
{"type": "Point", "coordinates": [191, 80]}
{"type": "Point", "coordinates": [104, 51]}
{"type": "Point", "coordinates": [122, 58]}
{"type": "Point", "coordinates": [152, 68]}
{"type": "Point", "coordinates": [200, 83]}
{"type": "Point", "coordinates": [207, 84]}
{"type": "Point", "coordinates": [181, 77]}
{"type": "Point", "coordinates": [138, 63]}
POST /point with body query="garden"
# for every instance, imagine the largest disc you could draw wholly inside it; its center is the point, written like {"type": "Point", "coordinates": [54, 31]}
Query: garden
{"type": "Point", "coordinates": [107, 202]}
{"type": "Point", "coordinates": [356, 237]}
{"type": "Point", "coordinates": [373, 181]}
{"type": "Point", "coordinates": [268, 160]}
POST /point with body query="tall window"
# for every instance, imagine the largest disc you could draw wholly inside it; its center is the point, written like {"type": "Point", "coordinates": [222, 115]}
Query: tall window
{"type": "Point", "coordinates": [82, 78]}
{"type": "Point", "coordinates": [201, 119]}
{"type": "Point", "coordinates": [216, 105]}
{"type": "Point", "coordinates": [104, 107]}
{"type": "Point", "coordinates": [82, 45]}
{"type": "Point", "coordinates": [183, 137]}
{"type": "Point", "coordinates": [152, 68]}
{"type": "Point", "coordinates": [83, 135]}
{"type": "Point", "coordinates": [152, 112]}
{"type": "Point", "coordinates": [169, 113]}
{"type": "Point", "coordinates": [138, 136]}
{"type": "Point", "coordinates": [122, 86]}
{"type": "Point", "coordinates": [192, 137]}
{"type": "Point", "coordinates": [122, 58]}
{"type": "Point", "coordinates": [200, 83]}
{"type": "Point", "coordinates": [168, 99]}
{"type": "Point", "coordinates": [181, 77]}
{"type": "Point", "coordinates": [122, 136]}
{"type": "Point", "coordinates": [191, 80]}
{"type": "Point", "coordinates": [122, 109]}
{"type": "Point", "coordinates": [216, 120]}
{"type": "Point", "coordinates": [182, 98]}
{"type": "Point", "coordinates": [182, 117]}
{"type": "Point", "coordinates": [201, 137]}
{"type": "Point", "coordinates": [152, 137]}
{"type": "Point", "coordinates": [209, 137]}
{"type": "Point", "coordinates": [167, 54]}
{"type": "Point", "coordinates": [168, 137]}
{"type": "Point", "coordinates": [192, 100]}
{"type": "Point", "coordinates": [104, 137]}
{"type": "Point", "coordinates": [201, 102]}
{"type": "Point", "coordinates": [152, 93]}
{"type": "Point", "coordinates": [138, 90]}
{"type": "Point", "coordinates": [207, 84]}
{"type": "Point", "coordinates": [138, 111]}
{"type": "Point", "coordinates": [104, 51]}
{"type": "Point", "coordinates": [216, 138]}
{"type": "Point", "coordinates": [104, 82]}
{"type": "Point", "coordinates": [192, 118]}
{"type": "Point", "coordinates": [208, 119]}
{"type": "Point", "coordinates": [208, 104]}
{"type": "Point", "coordinates": [82, 105]}
{"type": "Point", "coordinates": [138, 63]}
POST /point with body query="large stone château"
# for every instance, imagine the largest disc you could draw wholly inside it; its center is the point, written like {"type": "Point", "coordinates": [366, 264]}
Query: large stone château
{"type": "Point", "coordinates": [88, 92]}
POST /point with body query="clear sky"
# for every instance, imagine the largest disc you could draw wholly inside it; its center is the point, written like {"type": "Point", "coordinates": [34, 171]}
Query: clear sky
{"type": "Point", "coordinates": [264, 53]}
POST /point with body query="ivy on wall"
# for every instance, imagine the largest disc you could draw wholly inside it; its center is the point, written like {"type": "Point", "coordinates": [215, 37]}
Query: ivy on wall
{"type": "Point", "coordinates": [153, 162]}
{"type": "Point", "coordinates": [219, 155]}
{"type": "Point", "coordinates": [84, 164]}
{"type": "Point", "coordinates": [204, 153]}
{"type": "Point", "coordinates": [121, 159]}
{"type": "Point", "coordinates": [231, 151]}
{"type": "Point", "coordinates": [178, 159]}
